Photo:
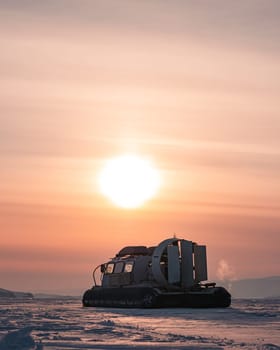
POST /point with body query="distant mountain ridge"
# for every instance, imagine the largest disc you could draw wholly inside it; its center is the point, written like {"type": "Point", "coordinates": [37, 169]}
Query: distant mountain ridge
{"type": "Point", "coordinates": [267, 287]}
{"type": "Point", "coordinates": [5, 293]}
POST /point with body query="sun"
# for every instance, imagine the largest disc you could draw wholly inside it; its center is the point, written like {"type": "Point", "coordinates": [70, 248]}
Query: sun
{"type": "Point", "coordinates": [129, 181]}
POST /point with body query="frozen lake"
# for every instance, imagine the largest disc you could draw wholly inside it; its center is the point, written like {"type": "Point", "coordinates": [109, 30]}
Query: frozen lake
{"type": "Point", "coordinates": [65, 324]}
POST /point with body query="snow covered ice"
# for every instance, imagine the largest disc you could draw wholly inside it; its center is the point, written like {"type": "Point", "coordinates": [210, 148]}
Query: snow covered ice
{"type": "Point", "coordinates": [64, 324]}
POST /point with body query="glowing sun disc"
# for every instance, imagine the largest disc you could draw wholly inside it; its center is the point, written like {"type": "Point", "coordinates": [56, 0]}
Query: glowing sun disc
{"type": "Point", "coordinates": [129, 181]}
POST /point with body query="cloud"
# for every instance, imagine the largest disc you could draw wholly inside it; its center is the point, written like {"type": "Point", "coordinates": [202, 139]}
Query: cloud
{"type": "Point", "coordinates": [249, 23]}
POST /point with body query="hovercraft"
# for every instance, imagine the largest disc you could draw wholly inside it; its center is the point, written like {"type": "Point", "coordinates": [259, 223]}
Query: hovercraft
{"type": "Point", "coordinates": [168, 275]}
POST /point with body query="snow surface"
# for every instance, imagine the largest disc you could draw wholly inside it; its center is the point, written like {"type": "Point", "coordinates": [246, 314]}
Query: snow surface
{"type": "Point", "coordinates": [65, 324]}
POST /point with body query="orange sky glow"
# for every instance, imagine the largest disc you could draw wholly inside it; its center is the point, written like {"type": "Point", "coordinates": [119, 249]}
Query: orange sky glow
{"type": "Point", "coordinates": [191, 85]}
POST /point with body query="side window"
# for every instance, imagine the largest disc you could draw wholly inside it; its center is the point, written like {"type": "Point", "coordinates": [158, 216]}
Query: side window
{"type": "Point", "coordinates": [109, 268]}
{"type": "Point", "coordinates": [128, 267]}
{"type": "Point", "coordinates": [119, 267]}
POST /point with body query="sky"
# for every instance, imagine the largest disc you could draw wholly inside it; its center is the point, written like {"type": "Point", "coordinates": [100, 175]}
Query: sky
{"type": "Point", "coordinates": [193, 86]}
